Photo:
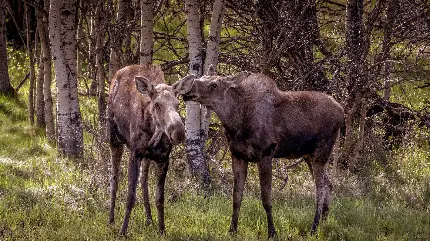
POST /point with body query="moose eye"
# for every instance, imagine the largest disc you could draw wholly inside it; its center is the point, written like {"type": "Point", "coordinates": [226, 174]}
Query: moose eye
{"type": "Point", "coordinates": [212, 86]}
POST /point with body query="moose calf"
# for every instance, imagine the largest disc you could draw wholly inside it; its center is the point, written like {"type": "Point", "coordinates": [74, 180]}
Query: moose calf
{"type": "Point", "coordinates": [143, 114]}
{"type": "Point", "coordinates": [261, 122]}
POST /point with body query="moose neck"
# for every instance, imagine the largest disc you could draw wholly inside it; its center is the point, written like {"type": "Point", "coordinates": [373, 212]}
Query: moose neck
{"type": "Point", "coordinates": [230, 110]}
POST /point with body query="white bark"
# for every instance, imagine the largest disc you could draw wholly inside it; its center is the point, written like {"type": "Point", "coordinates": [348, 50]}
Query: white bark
{"type": "Point", "coordinates": [62, 33]}
{"type": "Point", "coordinates": [193, 120]}
{"type": "Point", "coordinates": [146, 30]}
{"type": "Point", "coordinates": [212, 52]}
{"type": "Point", "coordinates": [32, 70]}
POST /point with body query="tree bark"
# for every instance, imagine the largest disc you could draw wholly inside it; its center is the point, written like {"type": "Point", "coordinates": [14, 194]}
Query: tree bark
{"type": "Point", "coordinates": [146, 30]}
{"type": "Point", "coordinates": [47, 75]}
{"type": "Point", "coordinates": [40, 104]}
{"type": "Point", "coordinates": [99, 65]}
{"type": "Point", "coordinates": [62, 33]}
{"type": "Point", "coordinates": [5, 86]}
{"type": "Point", "coordinates": [212, 53]}
{"type": "Point", "coordinates": [193, 121]}
{"type": "Point", "coordinates": [31, 62]}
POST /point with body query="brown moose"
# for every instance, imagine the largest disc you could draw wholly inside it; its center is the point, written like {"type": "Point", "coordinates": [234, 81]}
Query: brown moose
{"type": "Point", "coordinates": [261, 122]}
{"type": "Point", "coordinates": [143, 114]}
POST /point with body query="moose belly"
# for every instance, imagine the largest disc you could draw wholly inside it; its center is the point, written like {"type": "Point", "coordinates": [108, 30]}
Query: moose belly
{"type": "Point", "coordinates": [295, 147]}
{"type": "Point", "coordinates": [251, 152]}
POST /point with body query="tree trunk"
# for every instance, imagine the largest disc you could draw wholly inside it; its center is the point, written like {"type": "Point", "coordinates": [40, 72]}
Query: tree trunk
{"type": "Point", "coordinates": [79, 36]}
{"type": "Point", "coordinates": [5, 87]}
{"type": "Point", "coordinates": [62, 33]}
{"type": "Point", "coordinates": [193, 121]}
{"type": "Point", "coordinates": [357, 50]}
{"type": "Point", "coordinates": [212, 50]}
{"type": "Point", "coordinates": [47, 77]}
{"type": "Point", "coordinates": [99, 65]}
{"type": "Point", "coordinates": [146, 29]}
{"type": "Point", "coordinates": [31, 60]}
{"type": "Point", "coordinates": [212, 53]}
{"type": "Point", "coordinates": [40, 104]}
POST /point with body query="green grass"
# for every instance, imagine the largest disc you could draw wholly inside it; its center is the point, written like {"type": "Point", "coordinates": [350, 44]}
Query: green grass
{"type": "Point", "coordinates": [45, 197]}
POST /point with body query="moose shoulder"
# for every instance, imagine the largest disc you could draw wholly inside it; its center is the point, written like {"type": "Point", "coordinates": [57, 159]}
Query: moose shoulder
{"type": "Point", "coordinates": [143, 115]}
{"type": "Point", "coordinates": [261, 122]}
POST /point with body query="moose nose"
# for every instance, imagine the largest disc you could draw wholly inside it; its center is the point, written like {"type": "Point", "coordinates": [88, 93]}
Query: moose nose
{"type": "Point", "coordinates": [176, 133]}
{"type": "Point", "coordinates": [175, 128]}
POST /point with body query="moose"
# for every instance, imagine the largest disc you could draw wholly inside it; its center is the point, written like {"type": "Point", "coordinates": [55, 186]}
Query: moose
{"type": "Point", "coordinates": [262, 122]}
{"type": "Point", "coordinates": [143, 114]}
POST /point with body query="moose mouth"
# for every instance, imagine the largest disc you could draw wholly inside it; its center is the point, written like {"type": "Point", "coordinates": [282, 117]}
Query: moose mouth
{"type": "Point", "coordinates": [188, 97]}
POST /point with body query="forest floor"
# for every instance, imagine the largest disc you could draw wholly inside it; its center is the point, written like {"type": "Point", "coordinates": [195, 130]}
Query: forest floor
{"type": "Point", "coordinates": [46, 197]}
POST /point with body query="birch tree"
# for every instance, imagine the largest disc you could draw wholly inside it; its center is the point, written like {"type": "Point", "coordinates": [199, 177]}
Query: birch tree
{"type": "Point", "coordinates": [212, 53]}
{"type": "Point", "coordinates": [31, 62]}
{"type": "Point", "coordinates": [5, 87]}
{"type": "Point", "coordinates": [198, 117]}
{"type": "Point", "coordinates": [62, 33]}
{"type": "Point", "coordinates": [193, 121]}
{"type": "Point", "coordinates": [146, 30]}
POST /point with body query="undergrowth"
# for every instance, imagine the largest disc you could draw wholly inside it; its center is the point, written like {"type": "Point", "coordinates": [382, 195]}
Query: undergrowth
{"type": "Point", "coordinates": [46, 197]}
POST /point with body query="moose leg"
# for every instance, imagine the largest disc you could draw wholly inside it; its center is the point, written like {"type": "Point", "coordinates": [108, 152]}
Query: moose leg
{"type": "Point", "coordinates": [240, 171]}
{"type": "Point", "coordinates": [161, 179]}
{"type": "Point", "coordinates": [323, 192]}
{"type": "Point", "coordinates": [265, 173]}
{"type": "Point", "coordinates": [144, 183]}
{"type": "Point", "coordinates": [116, 154]}
{"type": "Point", "coordinates": [133, 174]}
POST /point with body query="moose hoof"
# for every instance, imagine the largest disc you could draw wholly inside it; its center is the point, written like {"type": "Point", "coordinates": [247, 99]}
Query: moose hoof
{"type": "Point", "coordinates": [232, 231]}
{"type": "Point", "coordinates": [272, 234]}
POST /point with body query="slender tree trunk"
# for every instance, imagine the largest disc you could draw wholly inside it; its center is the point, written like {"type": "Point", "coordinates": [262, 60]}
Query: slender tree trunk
{"type": "Point", "coordinates": [79, 36]}
{"type": "Point", "coordinates": [92, 52]}
{"type": "Point", "coordinates": [5, 86]}
{"type": "Point", "coordinates": [31, 60]}
{"type": "Point", "coordinates": [146, 30]}
{"type": "Point", "coordinates": [212, 53]}
{"type": "Point", "coordinates": [47, 77]}
{"type": "Point", "coordinates": [212, 50]}
{"type": "Point", "coordinates": [62, 33]}
{"type": "Point", "coordinates": [99, 65]}
{"type": "Point", "coordinates": [391, 12]}
{"type": "Point", "coordinates": [40, 104]}
{"type": "Point", "coordinates": [193, 121]}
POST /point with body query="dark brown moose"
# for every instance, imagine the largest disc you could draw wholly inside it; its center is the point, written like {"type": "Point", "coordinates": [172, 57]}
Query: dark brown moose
{"type": "Point", "coordinates": [143, 114]}
{"type": "Point", "coordinates": [261, 122]}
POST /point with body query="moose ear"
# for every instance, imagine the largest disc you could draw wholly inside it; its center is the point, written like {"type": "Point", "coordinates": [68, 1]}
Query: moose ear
{"type": "Point", "coordinates": [211, 70]}
{"type": "Point", "coordinates": [184, 85]}
{"type": "Point", "coordinates": [235, 80]}
{"type": "Point", "coordinates": [144, 86]}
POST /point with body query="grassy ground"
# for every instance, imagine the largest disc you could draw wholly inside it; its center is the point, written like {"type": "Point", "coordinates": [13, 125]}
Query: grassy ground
{"type": "Point", "coordinates": [45, 197]}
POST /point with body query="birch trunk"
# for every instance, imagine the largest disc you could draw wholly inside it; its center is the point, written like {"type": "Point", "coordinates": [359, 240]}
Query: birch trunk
{"type": "Point", "coordinates": [5, 87]}
{"type": "Point", "coordinates": [212, 53]}
{"type": "Point", "coordinates": [193, 127]}
{"type": "Point", "coordinates": [47, 77]}
{"type": "Point", "coordinates": [62, 33]}
{"type": "Point", "coordinates": [146, 29]}
{"type": "Point", "coordinates": [31, 60]}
